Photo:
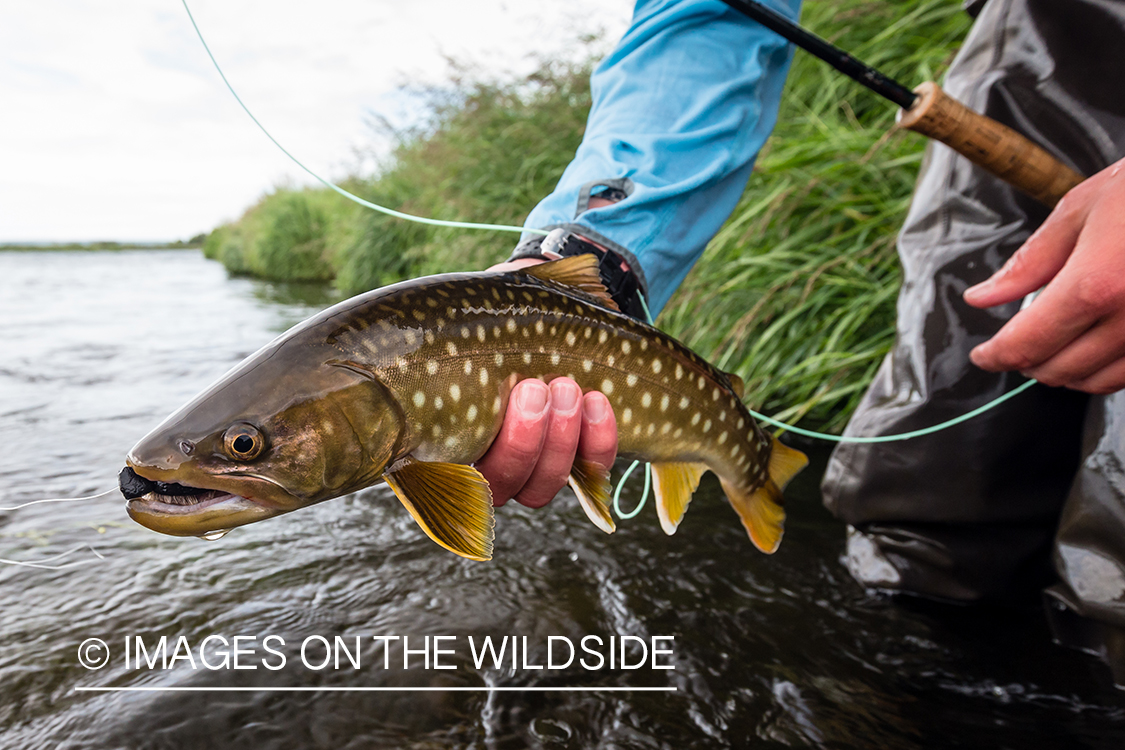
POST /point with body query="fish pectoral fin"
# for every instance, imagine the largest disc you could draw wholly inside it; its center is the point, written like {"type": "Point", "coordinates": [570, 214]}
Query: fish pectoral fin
{"type": "Point", "coordinates": [580, 272]}
{"type": "Point", "coordinates": [451, 502]}
{"type": "Point", "coordinates": [590, 482]}
{"type": "Point", "coordinates": [760, 510]}
{"type": "Point", "coordinates": [673, 485]}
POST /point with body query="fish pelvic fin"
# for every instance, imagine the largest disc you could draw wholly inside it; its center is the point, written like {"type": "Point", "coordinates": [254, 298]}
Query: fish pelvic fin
{"type": "Point", "coordinates": [590, 482]}
{"type": "Point", "coordinates": [451, 502]}
{"type": "Point", "coordinates": [760, 509]}
{"type": "Point", "coordinates": [673, 484]}
{"type": "Point", "coordinates": [580, 272]}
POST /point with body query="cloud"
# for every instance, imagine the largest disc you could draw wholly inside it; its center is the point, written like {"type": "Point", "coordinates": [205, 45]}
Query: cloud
{"type": "Point", "coordinates": [116, 126]}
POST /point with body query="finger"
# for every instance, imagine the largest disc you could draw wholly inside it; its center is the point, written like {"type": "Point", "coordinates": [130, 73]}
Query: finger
{"type": "Point", "coordinates": [1039, 258]}
{"type": "Point", "coordinates": [1086, 356]}
{"type": "Point", "coordinates": [557, 456]}
{"type": "Point", "coordinates": [559, 446]}
{"type": "Point", "coordinates": [1034, 335]}
{"type": "Point", "coordinates": [1107, 380]}
{"type": "Point", "coordinates": [598, 442]}
{"type": "Point", "coordinates": [508, 463]}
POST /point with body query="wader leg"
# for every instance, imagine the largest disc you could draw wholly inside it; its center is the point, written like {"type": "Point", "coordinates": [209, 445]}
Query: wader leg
{"type": "Point", "coordinates": [971, 512]}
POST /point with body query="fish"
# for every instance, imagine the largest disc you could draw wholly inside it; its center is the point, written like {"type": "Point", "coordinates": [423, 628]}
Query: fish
{"type": "Point", "coordinates": [408, 385]}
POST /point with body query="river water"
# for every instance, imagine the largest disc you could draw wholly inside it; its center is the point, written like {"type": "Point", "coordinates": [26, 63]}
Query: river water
{"type": "Point", "coordinates": [780, 651]}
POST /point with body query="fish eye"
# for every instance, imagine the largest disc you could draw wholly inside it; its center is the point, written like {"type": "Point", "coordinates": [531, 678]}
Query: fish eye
{"type": "Point", "coordinates": [243, 441]}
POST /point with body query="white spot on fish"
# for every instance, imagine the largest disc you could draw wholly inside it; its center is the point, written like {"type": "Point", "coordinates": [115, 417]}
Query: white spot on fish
{"type": "Point", "coordinates": [468, 367]}
{"type": "Point", "coordinates": [495, 332]}
{"type": "Point", "coordinates": [722, 438]}
{"type": "Point", "coordinates": [627, 415]}
{"type": "Point", "coordinates": [401, 363]}
{"type": "Point", "coordinates": [651, 429]}
{"type": "Point", "coordinates": [626, 347]}
{"type": "Point", "coordinates": [666, 428]}
{"type": "Point", "coordinates": [646, 399]}
{"type": "Point", "coordinates": [539, 327]}
{"type": "Point", "coordinates": [451, 441]}
{"type": "Point", "coordinates": [679, 431]}
{"type": "Point", "coordinates": [465, 332]}
{"type": "Point", "coordinates": [610, 360]}
{"type": "Point", "coordinates": [695, 418]}
{"type": "Point", "coordinates": [733, 451]}
{"type": "Point", "coordinates": [741, 423]}
{"type": "Point", "coordinates": [455, 392]}
{"type": "Point", "coordinates": [428, 336]}
{"type": "Point", "coordinates": [419, 399]}
{"type": "Point", "coordinates": [410, 336]}
{"type": "Point", "coordinates": [527, 358]}
{"type": "Point", "coordinates": [436, 430]}
{"type": "Point", "coordinates": [498, 359]}
{"type": "Point", "coordinates": [555, 358]}
{"type": "Point", "coordinates": [483, 376]}
{"type": "Point", "coordinates": [496, 405]}
{"type": "Point", "coordinates": [438, 403]}
{"type": "Point", "coordinates": [587, 365]}
{"type": "Point", "coordinates": [602, 336]}
{"type": "Point", "coordinates": [588, 333]}
{"type": "Point", "coordinates": [472, 413]}
{"type": "Point", "coordinates": [451, 348]}
{"type": "Point", "coordinates": [510, 326]}
{"type": "Point", "coordinates": [482, 336]}
{"type": "Point", "coordinates": [571, 339]}
{"type": "Point", "coordinates": [644, 345]}
{"type": "Point", "coordinates": [707, 426]}
{"type": "Point", "coordinates": [607, 386]}
{"type": "Point", "coordinates": [702, 383]}
{"type": "Point", "coordinates": [715, 394]}
{"type": "Point", "coordinates": [684, 402]}
{"type": "Point", "coordinates": [664, 402]}
{"type": "Point", "coordinates": [637, 430]}
{"type": "Point", "coordinates": [431, 367]}
{"type": "Point", "coordinates": [679, 371]}
{"type": "Point", "coordinates": [657, 365]}
{"type": "Point", "coordinates": [630, 380]}
{"type": "Point", "coordinates": [479, 431]}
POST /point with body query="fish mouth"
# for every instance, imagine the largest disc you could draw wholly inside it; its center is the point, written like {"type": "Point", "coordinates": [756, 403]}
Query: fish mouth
{"type": "Point", "coordinates": [179, 510]}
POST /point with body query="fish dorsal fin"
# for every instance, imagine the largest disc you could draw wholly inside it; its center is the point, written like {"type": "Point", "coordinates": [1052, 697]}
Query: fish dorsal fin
{"type": "Point", "coordinates": [451, 502]}
{"type": "Point", "coordinates": [673, 485]}
{"type": "Point", "coordinates": [736, 384]}
{"type": "Point", "coordinates": [580, 272]}
{"type": "Point", "coordinates": [590, 482]}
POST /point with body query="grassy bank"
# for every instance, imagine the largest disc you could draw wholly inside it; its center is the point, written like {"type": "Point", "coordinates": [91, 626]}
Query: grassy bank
{"type": "Point", "coordinates": [797, 291]}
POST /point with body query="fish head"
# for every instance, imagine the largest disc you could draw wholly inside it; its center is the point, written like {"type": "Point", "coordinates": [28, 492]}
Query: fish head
{"type": "Point", "coordinates": [272, 436]}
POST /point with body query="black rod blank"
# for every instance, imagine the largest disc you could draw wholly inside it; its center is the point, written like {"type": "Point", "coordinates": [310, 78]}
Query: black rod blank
{"type": "Point", "coordinates": [834, 56]}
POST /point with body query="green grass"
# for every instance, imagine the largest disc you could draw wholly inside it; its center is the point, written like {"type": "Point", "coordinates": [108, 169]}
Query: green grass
{"type": "Point", "coordinates": [797, 290]}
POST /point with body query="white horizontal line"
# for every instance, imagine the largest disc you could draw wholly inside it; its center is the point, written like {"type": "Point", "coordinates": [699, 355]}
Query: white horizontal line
{"type": "Point", "coordinates": [504, 689]}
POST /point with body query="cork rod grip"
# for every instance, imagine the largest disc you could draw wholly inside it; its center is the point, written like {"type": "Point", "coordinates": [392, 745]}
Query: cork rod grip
{"type": "Point", "coordinates": [994, 147]}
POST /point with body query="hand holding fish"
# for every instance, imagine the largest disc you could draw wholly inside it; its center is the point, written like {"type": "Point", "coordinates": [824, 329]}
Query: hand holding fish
{"type": "Point", "coordinates": [1073, 335]}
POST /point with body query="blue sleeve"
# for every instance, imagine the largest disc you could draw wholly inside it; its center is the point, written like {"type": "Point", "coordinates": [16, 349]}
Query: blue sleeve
{"type": "Point", "coordinates": [680, 110]}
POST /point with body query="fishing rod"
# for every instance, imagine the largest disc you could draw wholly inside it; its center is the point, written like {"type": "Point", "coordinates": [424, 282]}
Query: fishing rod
{"type": "Point", "coordinates": [928, 110]}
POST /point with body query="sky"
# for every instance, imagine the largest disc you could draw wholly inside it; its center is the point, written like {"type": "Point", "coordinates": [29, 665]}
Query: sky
{"type": "Point", "coordinates": [115, 126]}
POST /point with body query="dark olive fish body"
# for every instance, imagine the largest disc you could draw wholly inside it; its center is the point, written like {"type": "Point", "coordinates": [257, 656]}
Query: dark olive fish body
{"type": "Point", "coordinates": [410, 383]}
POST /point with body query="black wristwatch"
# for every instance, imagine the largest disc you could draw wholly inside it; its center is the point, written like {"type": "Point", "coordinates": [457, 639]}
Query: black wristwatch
{"type": "Point", "coordinates": [622, 282]}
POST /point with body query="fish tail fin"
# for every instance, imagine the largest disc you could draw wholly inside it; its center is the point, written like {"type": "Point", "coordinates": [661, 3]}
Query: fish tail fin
{"type": "Point", "coordinates": [760, 508]}
{"type": "Point", "coordinates": [590, 482]}
{"type": "Point", "coordinates": [673, 484]}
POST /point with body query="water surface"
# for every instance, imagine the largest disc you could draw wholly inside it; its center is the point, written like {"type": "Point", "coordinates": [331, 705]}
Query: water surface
{"type": "Point", "coordinates": [781, 651]}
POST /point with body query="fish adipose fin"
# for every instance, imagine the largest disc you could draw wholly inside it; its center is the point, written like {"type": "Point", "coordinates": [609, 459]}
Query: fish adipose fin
{"type": "Point", "coordinates": [590, 482]}
{"type": "Point", "coordinates": [673, 485]}
{"type": "Point", "coordinates": [580, 272]}
{"type": "Point", "coordinates": [451, 502]}
{"type": "Point", "coordinates": [761, 510]}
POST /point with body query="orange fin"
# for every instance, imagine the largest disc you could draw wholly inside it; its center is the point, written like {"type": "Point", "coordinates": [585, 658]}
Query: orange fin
{"type": "Point", "coordinates": [760, 510]}
{"type": "Point", "coordinates": [761, 513]}
{"type": "Point", "coordinates": [580, 272]}
{"type": "Point", "coordinates": [673, 485]}
{"type": "Point", "coordinates": [785, 462]}
{"type": "Point", "coordinates": [590, 482]}
{"type": "Point", "coordinates": [451, 502]}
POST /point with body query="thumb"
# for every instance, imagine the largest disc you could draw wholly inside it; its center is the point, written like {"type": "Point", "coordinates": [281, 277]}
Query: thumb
{"type": "Point", "coordinates": [1037, 261]}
